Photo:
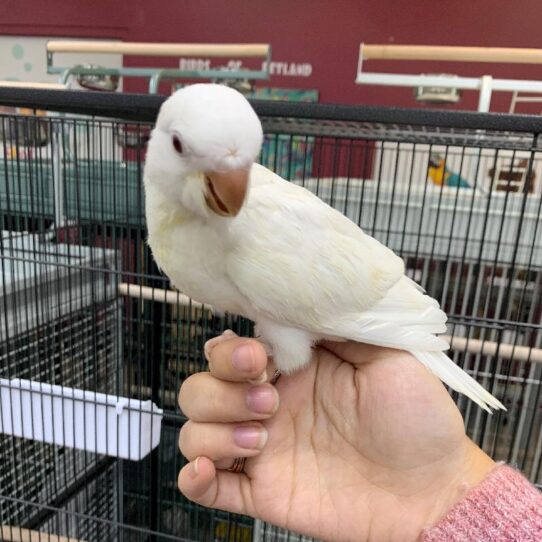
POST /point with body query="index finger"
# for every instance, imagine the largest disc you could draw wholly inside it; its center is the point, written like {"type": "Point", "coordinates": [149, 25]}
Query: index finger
{"type": "Point", "coordinates": [237, 359]}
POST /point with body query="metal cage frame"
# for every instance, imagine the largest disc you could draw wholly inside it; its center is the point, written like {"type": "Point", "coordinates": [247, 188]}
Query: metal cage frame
{"type": "Point", "coordinates": [478, 250]}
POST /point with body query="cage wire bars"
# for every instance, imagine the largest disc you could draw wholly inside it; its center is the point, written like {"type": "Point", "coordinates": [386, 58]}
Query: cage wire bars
{"type": "Point", "coordinates": [457, 195]}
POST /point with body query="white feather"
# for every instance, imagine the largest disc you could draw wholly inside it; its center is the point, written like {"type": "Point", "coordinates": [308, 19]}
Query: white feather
{"type": "Point", "coordinates": [300, 269]}
{"type": "Point", "coordinates": [443, 367]}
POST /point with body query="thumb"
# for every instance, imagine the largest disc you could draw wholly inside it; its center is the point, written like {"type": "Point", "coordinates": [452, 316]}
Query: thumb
{"type": "Point", "coordinates": [199, 481]}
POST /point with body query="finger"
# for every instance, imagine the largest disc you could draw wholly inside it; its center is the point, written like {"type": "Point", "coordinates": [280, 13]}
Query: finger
{"type": "Point", "coordinates": [221, 441]}
{"type": "Point", "coordinates": [204, 398]}
{"type": "Point", "coordinates": [200, 482]}
{"type": "Point", "coordinates": [237, 359]}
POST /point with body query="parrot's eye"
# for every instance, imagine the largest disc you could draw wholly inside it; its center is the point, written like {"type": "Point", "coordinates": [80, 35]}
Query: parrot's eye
{"type": "Point", "coordinates": [177, 143]}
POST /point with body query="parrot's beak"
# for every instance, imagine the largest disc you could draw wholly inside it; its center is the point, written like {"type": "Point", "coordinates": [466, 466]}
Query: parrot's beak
{"type": "Point", "coordinates": [225, 192]}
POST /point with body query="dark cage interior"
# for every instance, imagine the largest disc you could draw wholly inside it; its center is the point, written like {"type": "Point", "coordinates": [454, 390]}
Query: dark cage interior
{"type": "Point", "coordinates": [85, 310]}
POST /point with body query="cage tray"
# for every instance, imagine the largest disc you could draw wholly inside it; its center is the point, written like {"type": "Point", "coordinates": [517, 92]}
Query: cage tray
{"type": "Point", "coordinates": [95, 422]}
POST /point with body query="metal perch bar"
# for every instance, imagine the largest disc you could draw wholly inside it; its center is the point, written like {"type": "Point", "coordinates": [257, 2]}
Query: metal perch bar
{"type": "Point", "coordinates": [463, 344]}
{"type": "Point", "coordinates": [456, 54]}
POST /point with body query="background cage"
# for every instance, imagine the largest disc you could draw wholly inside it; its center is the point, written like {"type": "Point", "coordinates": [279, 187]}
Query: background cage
{"type": "Point", "coordinates": [72, 206]}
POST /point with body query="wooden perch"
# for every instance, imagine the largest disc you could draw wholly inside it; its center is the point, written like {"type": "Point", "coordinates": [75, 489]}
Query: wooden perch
{"type": "Point", "coordinates": [17, 534]}
{"type": "Point", "coordinates": [491, 348]}
{"type": "Point", "coordinates": [227, 50]}
{"type": "Point", "coordinates": [457, 54]}
{"type": "Point", "coordinates": [24, 84]}
{"type": "Point", "coordinates": [171, 297]}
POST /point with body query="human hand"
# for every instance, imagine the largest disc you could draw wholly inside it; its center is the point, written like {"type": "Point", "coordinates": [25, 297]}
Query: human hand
{"type": "Point", "coordinates": [365, 444]}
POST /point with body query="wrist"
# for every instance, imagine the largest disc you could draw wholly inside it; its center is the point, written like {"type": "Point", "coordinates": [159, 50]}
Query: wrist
{"type": "Point", "coordinates": [427, 493]}
{"type": "Point", "coordinates": [504, 506]}
{"type": "Point", "coordinates": [466, 470]}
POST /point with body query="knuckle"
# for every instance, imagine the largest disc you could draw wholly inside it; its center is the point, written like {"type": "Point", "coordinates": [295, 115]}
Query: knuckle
{"type": "Point", "coordinates": [184, 438]}
{"type": "Point", "coordinates": [213, 349]}
{"type": "Point", "coordinates": [214, 367]}
{"type": "Point", "coordinates": [217, 405]}
{"type": "Point", "coordinates": [183, 393]}
{"type": "Point", "coordinates": [188, 391]}
{"type": "Point", "coordinates": [220, 360]}
{"type": "Point", "coordinates": [180, 484]}
{"type": "Point", "coordinates": [196, 439]}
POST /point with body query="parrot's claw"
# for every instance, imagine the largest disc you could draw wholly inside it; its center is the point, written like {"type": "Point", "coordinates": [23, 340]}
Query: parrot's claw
{"type": "Point", "coordinates": [275, 378]}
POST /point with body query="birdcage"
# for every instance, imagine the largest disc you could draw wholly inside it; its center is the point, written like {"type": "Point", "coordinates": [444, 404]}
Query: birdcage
{"type": "Point", "coordinates": [457, 195]}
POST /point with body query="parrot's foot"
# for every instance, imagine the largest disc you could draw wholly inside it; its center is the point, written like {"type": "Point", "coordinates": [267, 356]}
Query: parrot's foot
{"type": "Point", "coordinates": [291, 347]}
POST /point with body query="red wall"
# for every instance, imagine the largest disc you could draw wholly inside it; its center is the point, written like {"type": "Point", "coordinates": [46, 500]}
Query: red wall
{"type": "Point", "coordinates": [324, 33]}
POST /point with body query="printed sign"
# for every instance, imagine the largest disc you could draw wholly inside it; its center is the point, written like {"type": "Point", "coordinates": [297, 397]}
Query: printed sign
{"type": "Point", "coordinates": [280, 68]}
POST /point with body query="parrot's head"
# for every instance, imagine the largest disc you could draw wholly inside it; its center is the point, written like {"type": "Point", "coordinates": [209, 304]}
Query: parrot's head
{"type": "Point", "coordinates": [202, 148]}
{"type": "Point", "coordinates": [435, 160]}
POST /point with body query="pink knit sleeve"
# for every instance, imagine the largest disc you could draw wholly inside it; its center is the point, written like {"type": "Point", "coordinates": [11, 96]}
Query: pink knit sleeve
{"type": "Point", "coordinates": [505, 507]}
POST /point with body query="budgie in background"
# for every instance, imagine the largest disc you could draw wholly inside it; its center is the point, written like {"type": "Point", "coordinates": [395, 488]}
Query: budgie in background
{"type": "Point", "coordinates": [230, 233]}
{"type": "Point", "coordinates": [439, 173]}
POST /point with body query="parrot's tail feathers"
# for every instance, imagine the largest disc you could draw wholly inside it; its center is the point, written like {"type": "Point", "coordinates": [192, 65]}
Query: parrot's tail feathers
{"type": "Point", "coordinates": [431, 319]}
{"type": "Point", "coordinates": [373, 329]}
{"type": "Point", "coordinates": [411, 321]}
{"type": "Point", "coordinates": [455, 377]}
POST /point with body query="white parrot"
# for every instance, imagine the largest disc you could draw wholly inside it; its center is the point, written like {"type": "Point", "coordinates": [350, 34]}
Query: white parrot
{"type": "Point", "coordinates": [230, 233]}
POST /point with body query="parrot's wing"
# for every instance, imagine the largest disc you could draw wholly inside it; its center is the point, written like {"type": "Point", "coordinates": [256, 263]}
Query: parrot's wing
{"type": "Point", "coordinates": [300, 262]}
